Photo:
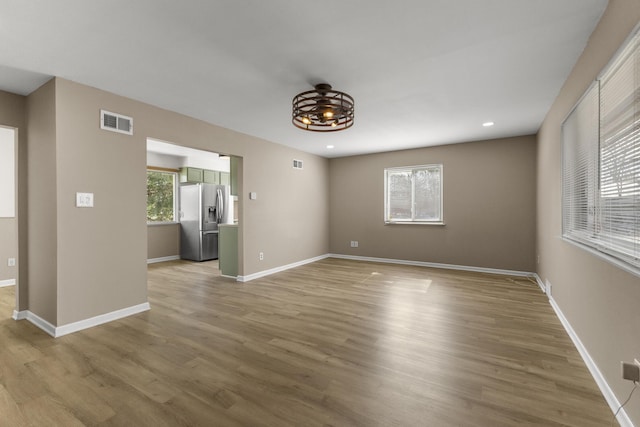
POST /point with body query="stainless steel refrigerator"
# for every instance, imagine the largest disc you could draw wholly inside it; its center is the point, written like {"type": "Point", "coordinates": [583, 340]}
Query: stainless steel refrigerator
{"type": "Point", "coordinates": [202, 208]}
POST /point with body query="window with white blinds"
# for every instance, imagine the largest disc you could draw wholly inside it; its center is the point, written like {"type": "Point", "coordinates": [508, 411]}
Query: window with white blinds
{"type": "Point", "coordinates": [601, 161]}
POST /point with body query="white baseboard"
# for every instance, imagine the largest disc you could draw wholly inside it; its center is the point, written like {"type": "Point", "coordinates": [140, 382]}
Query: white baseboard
{"type": "Point", "coordinates": [540, 283]}
{"type": "Point", "coordinates": [19, 315]}
{"type": "Point", "coordinates": [163, 259]}
{"type": "Point", "coordinates": [36, 320]}
{"type": "Point", "coordinates": [103, 318]}
{"type": "Point", "coordinates": [9, 282]}
{"type": "Point", "coordinates": [436, 265]}
{"type": "Point", "coordinates": [606, 391]}
{"type": "Point", "coordinates": [58, 331]}
{"type": "Point", "coordinates": [279, 269]}
{"type": "Point", "coordinates": [388, 261]}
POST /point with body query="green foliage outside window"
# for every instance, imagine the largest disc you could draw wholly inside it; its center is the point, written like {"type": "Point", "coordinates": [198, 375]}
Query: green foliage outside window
{"type": "Point", "coordinates": [160, 196]}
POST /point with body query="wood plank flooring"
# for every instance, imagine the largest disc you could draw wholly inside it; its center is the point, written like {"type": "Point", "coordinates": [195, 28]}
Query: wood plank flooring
{"type": "Point", "coordinates": [333, 343]}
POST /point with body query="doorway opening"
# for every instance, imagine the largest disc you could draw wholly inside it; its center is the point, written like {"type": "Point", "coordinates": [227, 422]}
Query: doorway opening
{"type": "Point", "coordinates": [175, 229]}
{"type": "Point", "coordinates": [8, 222]}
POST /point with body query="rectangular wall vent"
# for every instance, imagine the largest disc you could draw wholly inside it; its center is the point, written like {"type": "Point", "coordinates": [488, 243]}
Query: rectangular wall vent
{"type": "Point", "coordinates": [297, 164]}
{"type": "Point", "coordinates": [116, 122]}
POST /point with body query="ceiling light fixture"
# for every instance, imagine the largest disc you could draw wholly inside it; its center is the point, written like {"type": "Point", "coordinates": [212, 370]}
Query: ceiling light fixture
{"type": "Point", "coordinates": [488, 124]}
{"type": "Point", "coordinates": [323, 109]}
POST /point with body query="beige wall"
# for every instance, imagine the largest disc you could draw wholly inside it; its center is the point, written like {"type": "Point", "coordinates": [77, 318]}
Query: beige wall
{"type": "Point", "coordinates": [8, 247]}
{"type": "Point", "coordinates": [42, 234]}
{"type": "Point", "coordinates": [13, 114]}
{"type": "Point", "coordinates": [289, 220]}
{"type": "Point", "coordinates": [163, 240]}
{"type": "Point", "coordinates": [91, 261]}
{"type": "Point", "coordinates": [102, 250]}
{"type": "Point", "coordinates": [599, 300]}
{"type": "Point", "coordinates": [489, 206]}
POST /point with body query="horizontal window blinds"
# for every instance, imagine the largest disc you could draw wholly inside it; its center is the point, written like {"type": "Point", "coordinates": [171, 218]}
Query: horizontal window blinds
{"type": "Point", "coordinates": [580, 163]}
{"type": "Point", "coordinates": [601, 161]}
{"type": "Point", "coordinates": [620, 156]}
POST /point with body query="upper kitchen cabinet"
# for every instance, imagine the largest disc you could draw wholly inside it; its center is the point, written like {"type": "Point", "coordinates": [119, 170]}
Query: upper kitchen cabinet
{"type": "Point", "coordinates": [211, 177]}
{"type": "Point", "coordinates": [225, 178]}
{"type": "Point", "coordinates": [188, 174]}
{"type": "Point", "coordinates": [233, 175]}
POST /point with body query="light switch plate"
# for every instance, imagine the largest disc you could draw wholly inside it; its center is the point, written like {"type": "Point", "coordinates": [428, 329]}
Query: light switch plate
{"type": "Point", "coordinates": [84, 200]}
{"type": "Point", "coordinates": [253, 195]}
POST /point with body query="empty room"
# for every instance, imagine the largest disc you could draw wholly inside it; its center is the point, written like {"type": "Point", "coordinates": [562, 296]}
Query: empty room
{"type": "Point", "coordinates": [421, 213]}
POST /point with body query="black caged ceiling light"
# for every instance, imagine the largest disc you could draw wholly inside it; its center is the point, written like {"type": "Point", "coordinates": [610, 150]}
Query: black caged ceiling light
{"type": "Point", "coordinates": [323, 109]}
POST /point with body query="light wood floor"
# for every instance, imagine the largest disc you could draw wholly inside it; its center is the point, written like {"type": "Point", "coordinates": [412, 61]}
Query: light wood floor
{"type": "Point", "coordinates": [333, 343]}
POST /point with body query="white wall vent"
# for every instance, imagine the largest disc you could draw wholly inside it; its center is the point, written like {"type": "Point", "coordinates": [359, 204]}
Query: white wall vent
{"type": "Point", "coordinates": [297, 164]}
{"type": "Point", "coordinates": [116, 122]}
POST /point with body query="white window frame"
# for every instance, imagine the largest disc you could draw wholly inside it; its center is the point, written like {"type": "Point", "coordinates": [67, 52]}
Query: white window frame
{"type": "Point", "coordinates": [388, 219]}
{"type": "Point", "coordinates": [601, 205]}
{"type": "Point", "coordinates": [175, 195]}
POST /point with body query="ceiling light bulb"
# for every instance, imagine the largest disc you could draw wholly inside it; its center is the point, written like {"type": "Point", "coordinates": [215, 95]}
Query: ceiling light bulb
{"type": "Point", "coordinates": [334, 124]}
{"type": "Point", "coordinates": [330, 147]}
{"type": "Point", "coordinates": [488, 124]}
{"type": "Point", "coordinates": [328, 114]}
{"type": "Point", "coordinates": [306, 120]}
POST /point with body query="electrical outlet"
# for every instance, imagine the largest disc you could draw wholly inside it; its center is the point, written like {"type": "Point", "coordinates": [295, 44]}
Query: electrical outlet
{"type": "Point", "coordinates": [354, 243]}
{"type": "Point", "coordinates": [11, 262]}
{"type": "Point", "coordinates": [631, 371]}
{"type": "Point", "coordinates": [548, 288]}
{"type": "Point", "coordinates": [261, 256]}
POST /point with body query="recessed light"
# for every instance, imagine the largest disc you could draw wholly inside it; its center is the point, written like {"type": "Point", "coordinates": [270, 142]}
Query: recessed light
{"type": "Point", "coordinates": [330, 147]}
{"type": "Point", "coordinates": [488, 124]}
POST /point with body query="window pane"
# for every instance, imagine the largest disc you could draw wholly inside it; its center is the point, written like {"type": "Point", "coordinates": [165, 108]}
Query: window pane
{"type": "Point", "coordinates": [399, 195]}
{"type": "Point", "coordinates": [160, 196]}
{"type": "Point", "coordinates": [427, 194]}
{"type": "Point", "coordinates": [414, 193]}
{"type": "Point", "coordinates": [601, 161]}
{"type": "Point", "coordinates": [580, 163]}
{"type": "Point", "coordinates": [620, 156]}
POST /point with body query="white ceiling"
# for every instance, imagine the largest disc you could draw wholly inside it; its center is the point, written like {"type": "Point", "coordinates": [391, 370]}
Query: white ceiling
{"type": "Point", "coordinates": [422, 72]}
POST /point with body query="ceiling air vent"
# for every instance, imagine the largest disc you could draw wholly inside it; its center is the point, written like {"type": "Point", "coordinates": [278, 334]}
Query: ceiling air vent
{"type": "Point", "coordinates": [116, 122]}
{"type": "Point", "coordinates": [297, 164]}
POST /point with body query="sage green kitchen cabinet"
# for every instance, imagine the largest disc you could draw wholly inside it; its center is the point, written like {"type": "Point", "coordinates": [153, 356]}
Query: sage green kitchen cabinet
{"type": "Point", "coordinates": [188, 174]}
{"type": "Point", "coordinates": [211, 177]}
{"type": "Point", "coordinates": [228, 249]}
{"type": "Point", "coordinates": [225, 178]}
{"type": "Point", "coordinates": [233, 175]}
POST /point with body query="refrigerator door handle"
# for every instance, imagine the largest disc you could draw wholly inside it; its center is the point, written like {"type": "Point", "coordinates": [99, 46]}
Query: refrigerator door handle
{"type": "Point", "coordinates": [220, 205]}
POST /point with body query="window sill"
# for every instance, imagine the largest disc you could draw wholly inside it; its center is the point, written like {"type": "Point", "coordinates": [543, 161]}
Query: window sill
{"type": "Point", "coordinates": [162, 223]}
{"type": "Point", "coordinates": [414, 223]}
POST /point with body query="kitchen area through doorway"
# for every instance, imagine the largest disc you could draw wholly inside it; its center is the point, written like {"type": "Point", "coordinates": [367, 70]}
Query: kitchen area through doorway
{"type": "Point", "coordinates": [192, 207]}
